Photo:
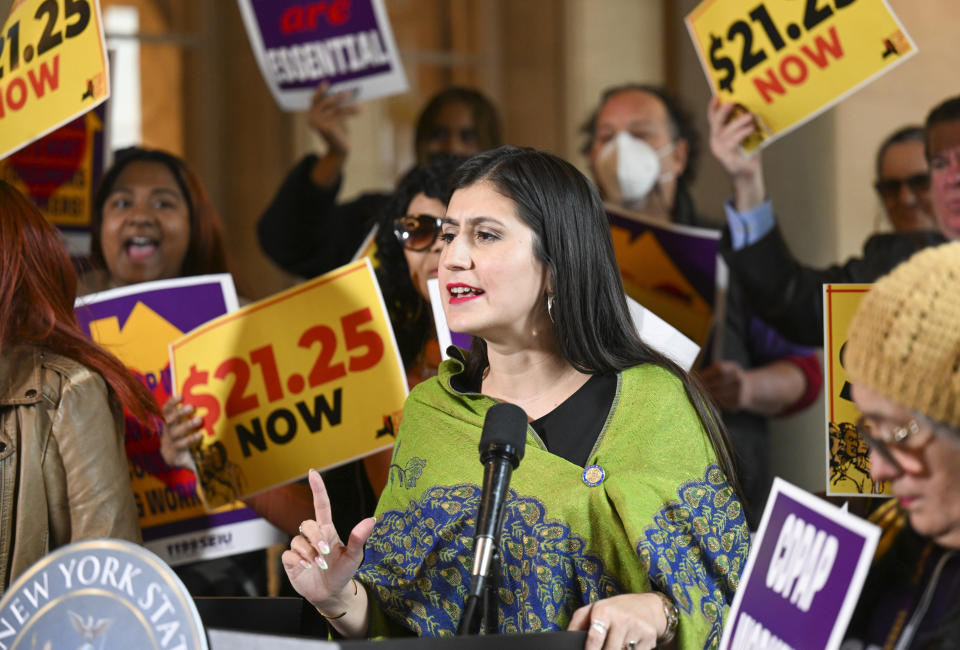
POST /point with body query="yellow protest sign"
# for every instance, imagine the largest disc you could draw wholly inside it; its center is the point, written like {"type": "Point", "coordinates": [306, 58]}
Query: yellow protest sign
{"type": "Point", "coordinates": [61, 170]}
{"type": "Point", "coordinates": [788, 61]}
{"type": "Point", "coordinates": [368, 248]}
{"type": "Point", "coordinates": [848, 462]}
{"type": "Point", "coordinates": [53, 67]}
{"type": "Point", "coordinates": [310, 377]}
{"type": "Point", "coordinates": [137, 323]}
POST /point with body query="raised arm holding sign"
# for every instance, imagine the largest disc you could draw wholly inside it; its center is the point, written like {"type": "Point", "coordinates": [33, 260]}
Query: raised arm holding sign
{"type": "Point", "coordinates": [787, 62]}
{"type": "Point", "coordinates": [348, 44]}
{"type": "Point", "coordinates": [780, 289]}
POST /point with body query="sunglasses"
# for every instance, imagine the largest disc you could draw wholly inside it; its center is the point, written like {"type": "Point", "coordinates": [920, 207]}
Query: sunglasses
{"type": "Point", "coordinates": [417, 232]}
{"type": "Point", "coordinates": [889, 188]}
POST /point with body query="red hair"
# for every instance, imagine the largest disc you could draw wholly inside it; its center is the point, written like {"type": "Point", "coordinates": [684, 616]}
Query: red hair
{"type": "Point", "coordinates": [38, 287]}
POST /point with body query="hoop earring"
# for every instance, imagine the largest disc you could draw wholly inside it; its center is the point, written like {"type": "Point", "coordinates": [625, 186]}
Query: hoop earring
{"type": "Point", "coordinates": [550, 308]}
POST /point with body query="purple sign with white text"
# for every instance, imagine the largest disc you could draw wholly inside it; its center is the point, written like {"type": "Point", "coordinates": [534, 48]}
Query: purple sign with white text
{"type": "Point", "coordinates": [804, 574]}
{"type": "Point", "coordinates": [346, 43]}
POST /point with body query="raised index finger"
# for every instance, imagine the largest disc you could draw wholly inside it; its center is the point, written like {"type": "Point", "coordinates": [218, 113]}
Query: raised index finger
{"type": "Point", "coordinates": [321, 500]}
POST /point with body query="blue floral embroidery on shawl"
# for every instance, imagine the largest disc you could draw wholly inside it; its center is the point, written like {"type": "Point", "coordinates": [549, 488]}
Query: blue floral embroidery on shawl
{"type": "Point", "coordinates": [699, 542]}
{"type": "Point", "coordinates": [418, 563]}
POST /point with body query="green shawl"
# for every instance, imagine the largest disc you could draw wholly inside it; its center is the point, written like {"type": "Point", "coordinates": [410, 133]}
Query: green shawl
{"type": "Point", "coordinates": [664, 516]}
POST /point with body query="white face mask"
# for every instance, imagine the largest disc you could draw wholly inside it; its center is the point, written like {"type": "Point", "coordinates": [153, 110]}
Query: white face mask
{"type": "Point", "coordinates": [628, 169]}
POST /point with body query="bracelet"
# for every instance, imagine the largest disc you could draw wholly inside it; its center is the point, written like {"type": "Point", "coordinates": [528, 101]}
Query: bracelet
{"type": "Point", "coordinates": [672, 614]}
{"type": "Point", "coordinates": [356, 590]}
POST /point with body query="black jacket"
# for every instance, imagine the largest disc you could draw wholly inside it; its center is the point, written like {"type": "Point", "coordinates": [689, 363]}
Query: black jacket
{"type": "Point", "coordinates": [904, 568]}
{"type": "Point", "coordinates": [306, 232]}
{"type": "Point", "coordinates": [789, 295]}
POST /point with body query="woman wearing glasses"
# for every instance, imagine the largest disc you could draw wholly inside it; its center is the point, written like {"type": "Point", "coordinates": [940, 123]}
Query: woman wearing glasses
{"type": "Point", "coordinates": [306, 231]}
{"type": "Point", "coordinates": [621, 520]}
{"type": "Point", "coordinates": [408, 254]}
{"type": "Point", "coordinates": [903, 359]}
{"type": "Point", "coordinates": [903, 180]}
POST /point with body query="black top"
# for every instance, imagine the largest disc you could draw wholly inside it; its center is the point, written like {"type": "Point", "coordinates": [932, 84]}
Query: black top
{"type": "Point", "coordinates": [894, 593]}
{"type": "Point", "coordinates": [306, 232]}
{"type": "Point", "coordinates": [789, 295]}
{"type": "Point", "coordinates": [571, 430]}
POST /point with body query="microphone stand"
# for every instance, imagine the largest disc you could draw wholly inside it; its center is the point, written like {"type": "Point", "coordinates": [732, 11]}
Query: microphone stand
{"type": "Point", "coordinates": [480, 609]}
{"type": "Point", "coordinates": [501, 448]}
{"type": "Point", "coordinates": [491, 596]}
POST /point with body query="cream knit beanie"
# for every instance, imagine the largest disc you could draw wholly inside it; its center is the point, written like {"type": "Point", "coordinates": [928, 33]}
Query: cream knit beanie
{"type": "Point", "coordinates": [904, 340]}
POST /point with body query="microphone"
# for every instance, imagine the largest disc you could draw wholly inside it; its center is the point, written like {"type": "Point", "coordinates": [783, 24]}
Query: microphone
{"type": "Point", "coordinates": [501, 448]}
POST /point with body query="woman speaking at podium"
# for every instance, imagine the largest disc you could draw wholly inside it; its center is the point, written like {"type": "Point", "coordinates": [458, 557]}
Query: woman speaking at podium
{"type": "Point", "coordinates": [622, 519]}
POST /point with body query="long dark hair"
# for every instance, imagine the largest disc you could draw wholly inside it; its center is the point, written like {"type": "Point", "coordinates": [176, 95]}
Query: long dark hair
{"type": "Point", "coordinates": [594, 330]}
{"type": "Point", "coordinates": [409, 313]}
{"type": "Point", "coordinates": [37, 289]}
{"type": "Point", "coordinates": [205, 253]}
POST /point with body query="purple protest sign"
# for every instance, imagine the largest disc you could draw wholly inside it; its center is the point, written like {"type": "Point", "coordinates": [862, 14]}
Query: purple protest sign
{"type": "Point", "coordinates": [670, 269]}
{"type": "Point", "coordinates": [299, 43]}
{"type": "Point", "coordinates": [185, 306]}
{"type": "Point", "coordinates": [137, 323]}
{"type": "Point", "coordinates": [694, 250]}
{"type": "Point", "coordinates": [804, 574]}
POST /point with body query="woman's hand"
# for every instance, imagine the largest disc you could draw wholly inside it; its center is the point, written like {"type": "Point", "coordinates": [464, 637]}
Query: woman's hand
{"type": "Point", "coordinates": [329, 116]}
{"type": "Point", "coordinates": [727, 133]}
{"type": "Point", "coordinates": [321, 568]}
{"type": "Point", "coordinates": [728, 384]}
{"type": "Point", "coordinates": [631, 621]}
{"type": "Point", "coordinates": [180, 433]}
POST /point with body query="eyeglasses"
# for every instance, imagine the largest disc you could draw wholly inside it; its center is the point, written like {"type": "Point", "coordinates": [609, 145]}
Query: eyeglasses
{"type": "Point", "coordinates": [884, 434]}
{"type": "Point", "coordinates": [417, 232]}
{"type": "Point", "coordinates": [889, 188]}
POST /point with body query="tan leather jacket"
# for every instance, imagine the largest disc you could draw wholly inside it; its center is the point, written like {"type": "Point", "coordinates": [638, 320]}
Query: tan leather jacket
{"type": "Point", "coordinates": [63, 470]}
